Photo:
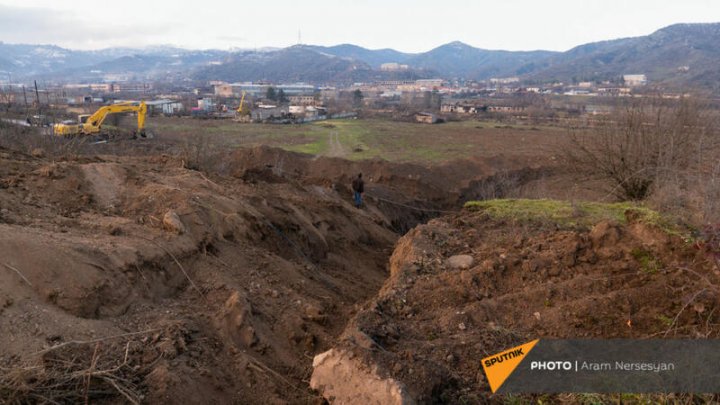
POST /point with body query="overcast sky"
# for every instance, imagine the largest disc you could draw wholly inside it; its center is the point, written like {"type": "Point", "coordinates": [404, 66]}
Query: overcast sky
{"type": "Point", "coordinates": [406, 25]}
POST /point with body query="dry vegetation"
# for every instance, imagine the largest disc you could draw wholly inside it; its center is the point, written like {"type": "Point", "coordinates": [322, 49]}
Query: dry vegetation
{"type": "Point", "coordinates": [662, 150]}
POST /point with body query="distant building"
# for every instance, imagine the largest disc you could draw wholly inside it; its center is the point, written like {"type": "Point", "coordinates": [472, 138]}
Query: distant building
{"type": "Point", "coordinates": [302, 100]}
{"type": "Point", "coordinates": [94, 87]}
{"type": "Point", "coordinates": [635, 80]}
{"type": "Point", "coordinates": [223, 90]}
{"type": "Point", "coordinates": [613, 91]}
{"type": "Point", "coordinates": [266, 112]}
{"type": "Point", "coordinates": [206, 104]}
{"type": "Point", "coordinates": [393, 67]}
{"type": "Point", "coordinates": [328, 93]}
{"type": "Point", "coordinates": [461, 108]}
{"type": "Point", "coordinates": [259, 90]}
{"type": "Point", "coordinates": [426, 118]}
{"type": "Point", "coordinates": [312, 112]}
{"type": "Point", "coordinates": [101, 87]}
{"type": "Point", "coordinates": [173, 108]}
{"type": "Point", "coordinates": [131, 87]}
{"type": "Point", "coordinates": [504, 80]}
{"type": "Point", "coordinates": [505, 108]}
{"type": "Point", "coordinates": [296, 89]}
{"type": "Point", "coordinates": [296, 109]}
{"type": "Point", "coordinates": [168, 107]}
{"type": "Point", "coordinates": [577, 92]}
{"type": "Point", "coordinates": [391, 94]}
{"type": "Point", "coordinates": [428, 84]}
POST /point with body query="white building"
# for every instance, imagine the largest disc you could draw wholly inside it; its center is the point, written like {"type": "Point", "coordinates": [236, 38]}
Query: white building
{"type": "Point", "coordinates": [259, 90]}
{"type": "Point", "coordinates": [427, 84]}
{"type": "Point", "coordinates": [206, 104]}
{"type": "Point", "coordinates": [504, 80]}
{"type": "Point", "coordinates": [393, 67]}
{"type": "Point", "coordinates": [172, 108]}
{"type": "Point", "coordinates": [635, 80]}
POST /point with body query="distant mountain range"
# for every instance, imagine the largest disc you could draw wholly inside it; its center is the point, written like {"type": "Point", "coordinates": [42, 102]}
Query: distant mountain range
{"type": "Point", "coordinates": [678, 56]}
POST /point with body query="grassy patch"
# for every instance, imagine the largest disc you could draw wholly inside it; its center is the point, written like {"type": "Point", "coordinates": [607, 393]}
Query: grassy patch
{"type": "Point", "coordinates": [371, 138]}
{"type": "Point", "coordinates": [648, 262]}
{"type": "Point", "coordinates": [570, 214]}
{"type": "Point", "coordinates": [665, 320]}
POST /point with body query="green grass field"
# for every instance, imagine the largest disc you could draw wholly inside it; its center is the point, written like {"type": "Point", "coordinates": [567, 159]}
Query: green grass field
{"type": "Point", "coordinates": [357, 139]}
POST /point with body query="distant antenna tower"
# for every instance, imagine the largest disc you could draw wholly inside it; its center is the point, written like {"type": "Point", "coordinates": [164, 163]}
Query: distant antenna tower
{"type": "Point", "coordinates": [299, 38]}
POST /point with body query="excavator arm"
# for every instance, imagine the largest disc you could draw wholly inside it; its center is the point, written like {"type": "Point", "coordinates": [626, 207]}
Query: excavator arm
{"type": "Point", "coordinates": [95, 121]}
{"type": "Point", "coordinates": [93, 124]}
{"type": "Point", "coordinates": [242, 101]}
{"type": "Point", "coordinates": [141, 114]}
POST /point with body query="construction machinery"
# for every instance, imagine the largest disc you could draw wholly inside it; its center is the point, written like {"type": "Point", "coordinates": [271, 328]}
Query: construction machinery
{"type": "Point", "coordinates": [92, 124]}
{"type": "Point", "coordinates": [242, 101]}
{"type": "Point", "coordinates": [241, 114]}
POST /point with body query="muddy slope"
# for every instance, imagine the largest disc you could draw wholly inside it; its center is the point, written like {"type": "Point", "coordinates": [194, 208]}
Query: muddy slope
{"type": "Point", "coordinates": [134, 278]}
{"type": "Point", "coordinates": [394, 188]}
{"type": "Point", "coordinates": [173, 287]}
{"type": "Point", "coordinates": [469, 285]}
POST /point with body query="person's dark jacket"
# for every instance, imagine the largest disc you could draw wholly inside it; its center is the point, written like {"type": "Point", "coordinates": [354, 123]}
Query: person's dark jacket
{"type": "Point", "coordinates": [358, 185]}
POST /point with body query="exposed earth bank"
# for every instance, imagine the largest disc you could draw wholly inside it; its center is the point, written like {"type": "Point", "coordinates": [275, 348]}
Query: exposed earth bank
{"type": "Point", "coordinates": [138, 280]}
{"type": "Point", "coordinates": [505, 272]}
{"type": "Point", "coordinates": [141, 280]}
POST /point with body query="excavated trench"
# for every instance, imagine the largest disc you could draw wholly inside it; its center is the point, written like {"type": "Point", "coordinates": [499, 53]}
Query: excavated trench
{"type": "Point", "coordinates": [398, 197]}
{"type": "Point", "coordinates": [129, 278]}
{"type": "Point", "coordinates": [219, 286]}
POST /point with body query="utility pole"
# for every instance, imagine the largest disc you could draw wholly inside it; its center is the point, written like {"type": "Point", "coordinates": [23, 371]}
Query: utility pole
{"type": "Point", "coordinates": [25, 97]}
{"type": "Point", "coordinates": [37, 95]}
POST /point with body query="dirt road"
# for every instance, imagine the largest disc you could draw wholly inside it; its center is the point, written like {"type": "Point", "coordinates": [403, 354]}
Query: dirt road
{"type": "Point", "coordinates": [335, 147]}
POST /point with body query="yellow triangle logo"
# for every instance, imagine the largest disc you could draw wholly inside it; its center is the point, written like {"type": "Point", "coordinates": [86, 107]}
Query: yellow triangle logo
{"type": "Point", "coordinates": [498, 367]}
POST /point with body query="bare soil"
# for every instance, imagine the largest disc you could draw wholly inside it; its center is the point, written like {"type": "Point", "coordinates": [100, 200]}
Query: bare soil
{"type": "Point", "coordinates": [431, 323]}
{"type": "Point", "coordinates": [135, 279]}
{"type": "Point", "coordinates": [127, 276]}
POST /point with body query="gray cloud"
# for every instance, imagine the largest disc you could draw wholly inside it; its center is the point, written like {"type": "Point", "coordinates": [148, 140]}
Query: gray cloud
{"type": "Point", "coordinates": [231, 38]}
{"type": "Point", "coordinates": [57, 27]}
{"type": "Point", "coordinates": [408, 25]}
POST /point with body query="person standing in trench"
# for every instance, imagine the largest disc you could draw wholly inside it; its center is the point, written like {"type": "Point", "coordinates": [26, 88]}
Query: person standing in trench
{"type": "Point", "coordinates": [358, 186]}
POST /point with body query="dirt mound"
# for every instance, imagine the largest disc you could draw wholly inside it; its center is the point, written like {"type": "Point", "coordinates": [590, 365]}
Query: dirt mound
{"type": "Point", "coordinates": [472, 284]}
{"type": "Point", "coordinates": [154, 283]}
{"type": "Point", "coordinates": [252, 278]}
{"type": "Point", "coordinates": [392, 187]}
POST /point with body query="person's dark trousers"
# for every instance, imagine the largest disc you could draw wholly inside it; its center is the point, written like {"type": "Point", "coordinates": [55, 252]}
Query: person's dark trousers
{"type": "Point", "coordinates": [358, 199]}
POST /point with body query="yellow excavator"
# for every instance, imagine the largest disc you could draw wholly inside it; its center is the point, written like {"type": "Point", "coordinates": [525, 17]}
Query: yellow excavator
{"type": "Point", "coordinates": [241, 114]}
{"type": "Point", "coordinates": [92, 124]}
{"type": "Point", "coordinates": [242, 101]}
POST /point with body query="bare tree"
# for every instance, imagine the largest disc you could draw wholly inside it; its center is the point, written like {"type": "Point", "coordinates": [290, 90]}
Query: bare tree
{"type": "Point", "coordinates": [645, 143]}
